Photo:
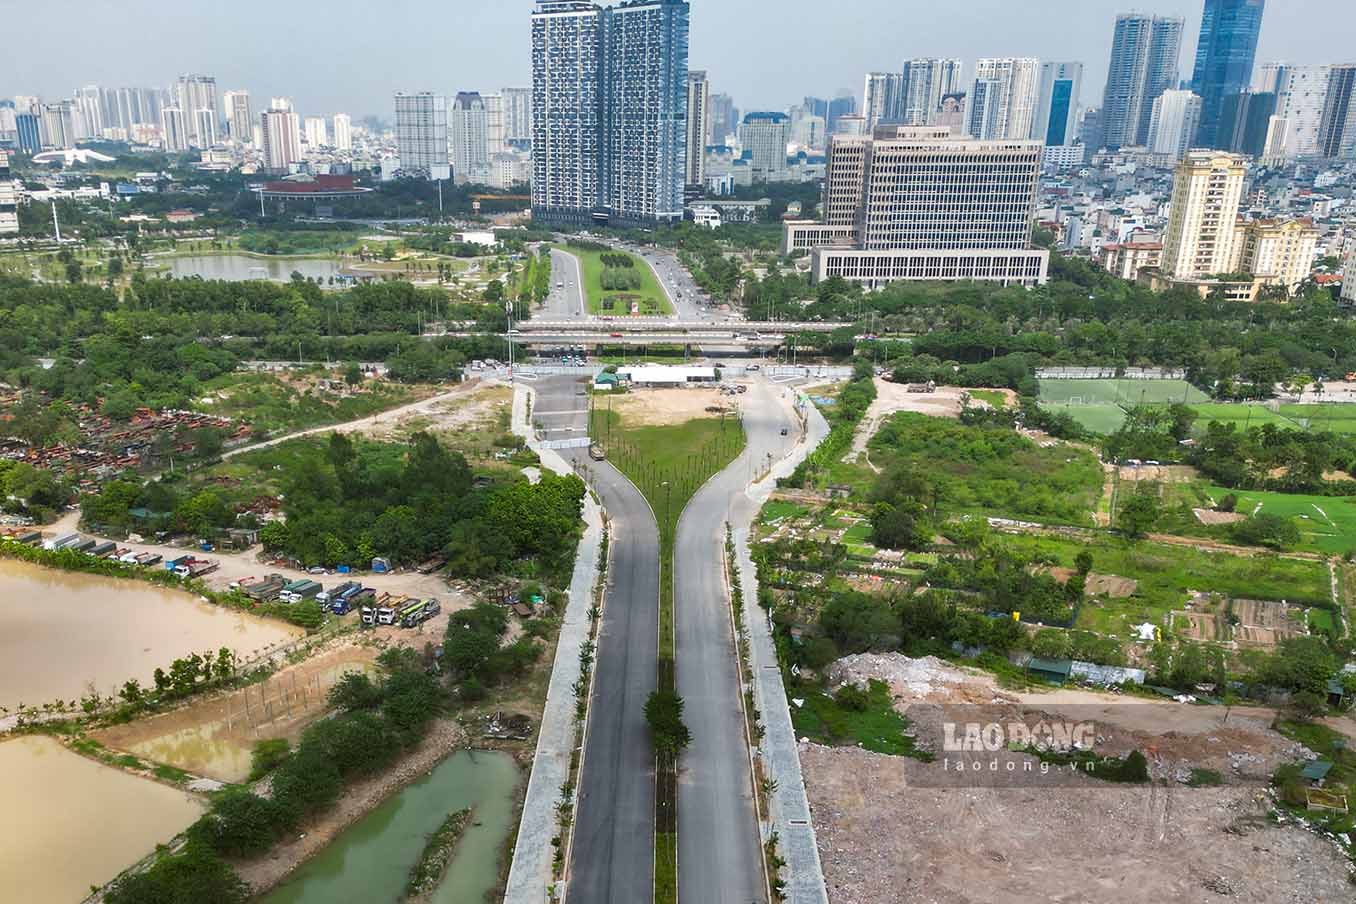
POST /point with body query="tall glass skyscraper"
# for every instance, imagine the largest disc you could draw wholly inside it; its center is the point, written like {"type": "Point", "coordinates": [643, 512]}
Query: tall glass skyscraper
{"type": "Point", "coordinates": [1224, 58]}
{"type": "Point", "coordinates": [609, 111]}
{"type": "Point", "coordinates": [1144, 55]}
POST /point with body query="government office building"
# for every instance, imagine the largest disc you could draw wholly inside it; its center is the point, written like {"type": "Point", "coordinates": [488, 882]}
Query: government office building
{"type": "Point", "coordinates": [921, 203]}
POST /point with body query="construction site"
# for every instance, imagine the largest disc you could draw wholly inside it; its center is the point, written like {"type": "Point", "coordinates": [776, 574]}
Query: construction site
{"type": "Point", "coordinates": [889, 829]}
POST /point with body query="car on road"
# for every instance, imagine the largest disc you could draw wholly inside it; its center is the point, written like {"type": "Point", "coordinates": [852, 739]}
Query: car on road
{"type": "Point", "coordinates": [614, 335]}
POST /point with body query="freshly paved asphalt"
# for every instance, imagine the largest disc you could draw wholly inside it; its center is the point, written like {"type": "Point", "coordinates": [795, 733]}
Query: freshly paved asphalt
{"type": "Point", "coordinates": [612, 861]}
{"type": "Point", "coordinates": [565, 303]}
{"type": "Point", "coordinates": [719, 847]}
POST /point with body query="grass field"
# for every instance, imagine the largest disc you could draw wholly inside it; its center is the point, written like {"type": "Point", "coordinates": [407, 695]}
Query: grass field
{"type": "Point", "coordinates": [1326, 523]}
{"type": "Point", "coordinates": [1099, 405]}
{"type": "Point", "coordinates": [649, 296]}
{"type": "Point", "coordinates": [1101, 418]}
{"type": "Point", "coordinates": [1166, 573]}
{"type": "Point", "coordinates": [1241, 415]}
{"type": "Point", "coordinates": [1120, 392]}
{"type": "Point", "coordinates": [876, 727]}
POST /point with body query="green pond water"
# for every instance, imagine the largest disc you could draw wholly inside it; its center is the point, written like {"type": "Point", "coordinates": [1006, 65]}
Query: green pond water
{"type": "Point", "coordinates": [371, 860]}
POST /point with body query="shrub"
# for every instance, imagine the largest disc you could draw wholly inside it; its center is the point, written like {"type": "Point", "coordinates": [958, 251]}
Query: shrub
{"type": "Point", "coordinates": [240, 824]}
{"type": "Point", "coordinates": [267, 756]}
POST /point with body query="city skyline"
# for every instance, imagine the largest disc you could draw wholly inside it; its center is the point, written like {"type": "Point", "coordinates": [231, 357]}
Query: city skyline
{"type": "Point", "coordinates": [465, 56]}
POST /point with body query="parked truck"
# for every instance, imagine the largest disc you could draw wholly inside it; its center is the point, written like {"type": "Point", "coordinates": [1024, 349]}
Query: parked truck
{"type": "Point", "coordinates": [343, 603]}
{"type": "Point", "coordinates": [297, 591]}
{"type": "Point", "coordinates": [64, 541]}
{"type": "Point", "coordinates": [147, 559]}
{"type": "Point", "coordinates": [325, 597]}
{"type": "Point", "coordinates": [266, 590]}
{"type": "Point", "coordinates": [411, 614]}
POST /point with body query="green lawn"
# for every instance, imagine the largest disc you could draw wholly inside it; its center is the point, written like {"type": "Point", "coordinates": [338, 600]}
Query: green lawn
{"type": "Point", "coordinates": [777, 508]}
{"type": "Point", "coordinates": [1243, 416]}
{"type": "Point", "coordinates": [1337, 418]}
{"type": "Point", "coordinates": [1100, 418]}
{"type": "Point", "coordinates": [1327, 524]}
{"type": "Point", "coordinates": [650, 296]}
{"type": "Point", "coordinates": [1166, 573]}
{"type": "Point", "coordinates": [992, 397]}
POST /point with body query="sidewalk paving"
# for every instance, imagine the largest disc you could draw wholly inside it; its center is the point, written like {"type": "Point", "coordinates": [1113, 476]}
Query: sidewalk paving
{"type": "Point", "coordinates": [790, 807]}
{"type": "Point", "coordinates": [530, 874]}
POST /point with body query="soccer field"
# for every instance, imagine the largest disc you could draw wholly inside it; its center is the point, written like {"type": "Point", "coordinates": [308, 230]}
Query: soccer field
{"type": "Point", "coordinates": [1120, 392]}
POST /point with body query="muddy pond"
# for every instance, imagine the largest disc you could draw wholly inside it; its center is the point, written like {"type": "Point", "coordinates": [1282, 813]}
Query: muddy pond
{"type": "Point", "coordinates": [65, 630]}
{"type": "Point", "coordinates": [69, 822]}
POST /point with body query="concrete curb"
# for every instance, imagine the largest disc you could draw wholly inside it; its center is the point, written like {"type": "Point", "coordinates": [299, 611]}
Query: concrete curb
{"type": "Point", "coordinates": [789, 810]}
{"type": "Point", "coordinates": [530, 873]}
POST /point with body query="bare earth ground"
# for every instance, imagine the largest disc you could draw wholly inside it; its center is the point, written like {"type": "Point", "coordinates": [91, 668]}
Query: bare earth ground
{"type": "Point", "coordinates": [886, 833]}
{"type": "Point", "coordinates": [661, 407]}
{"type": "Point", "coordinates": [476, 408]}
{"type": "Point", "coordinates": [265, 873]}
{"type": "Point", "coordinates": [882, 840]}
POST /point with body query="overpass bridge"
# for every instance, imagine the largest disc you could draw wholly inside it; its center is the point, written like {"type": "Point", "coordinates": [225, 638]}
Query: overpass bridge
{"type": "Point", "coordinates": [640, 325]}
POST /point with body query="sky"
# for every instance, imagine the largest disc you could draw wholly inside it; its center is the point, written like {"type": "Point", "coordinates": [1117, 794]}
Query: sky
{"type": "Point", "coordinates": [352, 55]}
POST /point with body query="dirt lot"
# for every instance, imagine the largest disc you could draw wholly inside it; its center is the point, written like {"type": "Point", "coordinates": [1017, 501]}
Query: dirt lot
{"type": "Point", "coordinates": [482, 408]}
{"type": "Point", "coordinates": [660, 407]}
{"type": "Point", "coordinates": [1209, 516]}
{"type": "Point", "coordinates": [881, 839]}
{"type": "Point", "coordinates": [888, 832]}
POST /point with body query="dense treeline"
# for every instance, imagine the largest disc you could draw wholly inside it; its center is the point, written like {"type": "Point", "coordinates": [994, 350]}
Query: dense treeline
{"type": "Point", "coordinates": [352, 501]}
{"type": "Point", "coordinates": [1261, 458]}
{"type": "Point", "coordinates": [1084, 316]}
{"type": "Point", "coordinates": [157, 343]}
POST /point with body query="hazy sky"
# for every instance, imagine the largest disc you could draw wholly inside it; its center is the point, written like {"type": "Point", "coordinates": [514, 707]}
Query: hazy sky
{"type": "Point", "coordinates": [351, 55]}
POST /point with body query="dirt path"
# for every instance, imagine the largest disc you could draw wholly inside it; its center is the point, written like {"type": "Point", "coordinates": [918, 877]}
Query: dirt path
{"type": "Point", "coordinates": [391, 416]}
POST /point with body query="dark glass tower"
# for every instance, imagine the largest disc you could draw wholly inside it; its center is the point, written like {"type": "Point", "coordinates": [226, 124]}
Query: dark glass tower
{"type": "Point", "coordinates": [1224, 59]}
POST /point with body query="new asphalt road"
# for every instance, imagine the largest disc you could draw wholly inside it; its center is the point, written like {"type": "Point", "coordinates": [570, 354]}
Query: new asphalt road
{"type": "Point", "coordinates": [612, 861]}
{"type": "Point", "coordinates": [565, 302]}
{"type": "Point", "coordinates": [719, 849]}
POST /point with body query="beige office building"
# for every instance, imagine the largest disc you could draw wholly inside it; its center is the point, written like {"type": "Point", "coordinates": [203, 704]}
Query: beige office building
{"type": "Point", "coordinates": [1277, 252]}
{"type": "Point", "coordinates": [1201, 229]}
{"type": "Point", "coordinates": [919, 203]}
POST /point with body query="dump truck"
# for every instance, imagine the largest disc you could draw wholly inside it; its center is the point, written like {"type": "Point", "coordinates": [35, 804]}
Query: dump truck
{"type": "Point", "coordinates": [325, 597]}
{"type": "Point", "coordinates": [297, 591]}
{"type": "Point", "coordinates": [266, 590]}
{"type": "Point", "coordinates": [64, 541]}
{"type": "Point", "coordinates": [346, 602]}
{"type": "Point", "coordinates": [411, 614]}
